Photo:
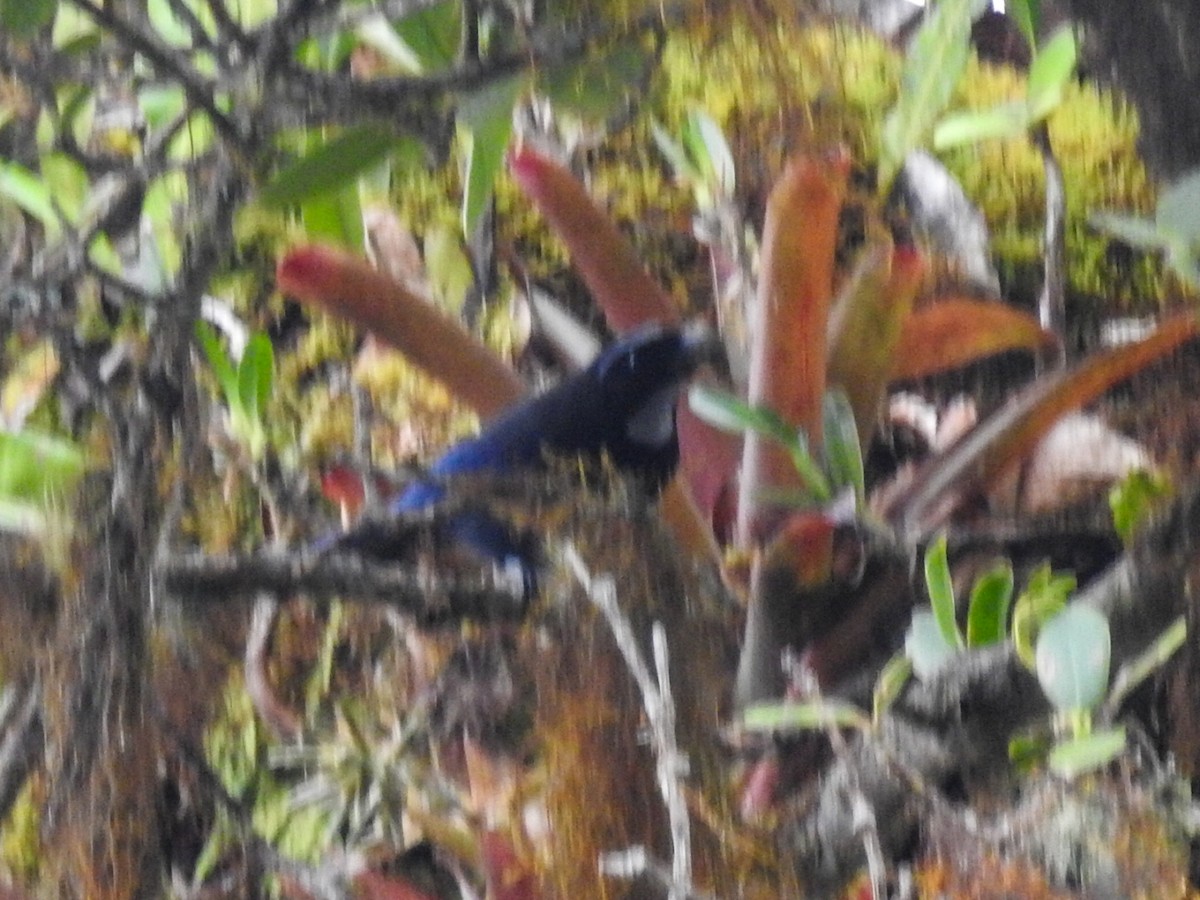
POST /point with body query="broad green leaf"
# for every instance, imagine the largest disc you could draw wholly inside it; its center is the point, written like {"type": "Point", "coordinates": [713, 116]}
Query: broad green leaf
{"type": "Point", "coordinates": [1178, 208]}
{"type": "Point", "coordinates": [1141, 233]}
{"type": "Point", "coordinates": [166, 24]}
{"type": "Point", "coordinates": [487, 116]}
{"type": "Point", "coordinates": [24, 17]}
{"type": "Point", "coordinates": [1028, 16]}
{"type": "Point", "coordinates": [36, 470]}
{"type": "Point", "coordinates": [31, 193]}
{"type": "Point", "coordinates": [987, 614]}
{"type": "Point", "coordinates": [1133, 497]}
{"type": "Point", "coordinates": [102, 253]}
{"type": "Point", "coordinates": [1051, 69]}
{"type": "Point", "coordinates": [256, 372]}
{"type": "Point", "coordinates": [941, 591]}
{"type": "Point", "coordinates": [926, 646]}
{"type": "Point", "coordinates": [1079, 756]}
{"type": "Point", "coordinates": [1003, 121]}
{"type": "Point", "coordinates": [448, 267]}
{"type": "Point", "coordinates": [218, 360]}
{"type": "Point", "coordinates": [843, 455]}
{"type": "Point", "coordinates": [335, 217]}
{"type": "Point", "coordinates": [74, 30]}
{"type": "Point", "coordinates": [932, 67]}
{"type": "Point", "coordinates": [816, 714]}
{"type": "Point", "coordinates": [593, 88]}
{"type": "Point", "coordinates": [160, 103]}
{"type": "Point", "coordinates": [1072, 657]}
{"type": "Point", "coordinates": [432, 34]}
{"type": "Point", "coordinates": [67, 182]}
{"type": "Point", "coordinates": [331, 167]}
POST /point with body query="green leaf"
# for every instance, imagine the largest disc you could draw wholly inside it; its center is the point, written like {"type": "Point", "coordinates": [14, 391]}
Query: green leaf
{"type": "Point", "coordinates": [1050, 71]}
{"type": "Point", "coordinates": [432, 34]}
{"type": "Point", "coordinates": [36, 466]}
{"type": "Point", "coordinates": [941, 591]}
{"type": "Point", "coordinates": [335, 217]}
{"type": "Point", "coordinates": [1178, 208]}
{"type": "Point", "coordinates": [1143, 234]}
{"type": "Point", "coordinates": [932, 67]}
{"type": "Point", "coordinates": [708, 148]}
{"type": "Point", "coordinates": [987, 614]}
{"type": "Point", "coordinates": [1145, 664]}
{"type": "Point", "coordinates": [67, 182]}
{"type": "Point", "coordinates": [30, 193]}
{"type": "Point", "coordinates": [1044, 595]}
{"type": "Point", "coordinates": [816, 714]}
{"type": "Point", "coordinates": [487, 116]}
{"type": "Point", "coordinates": [1028, 16]}
{"type": "Point", "coordinates": [331, 167]}
{"type": "Point", "coordinates": [843, 455]}
{"type": "Point", "coordinates": [926, 646]}
{"type": "Point", "coordinates": [726, 412]}
{"type": "Point", "coordinates": [1003, 121]}
{"type": "Point", "coordinates": [594, 87]}
{"type": "Point", "coordinates": [256, 373]}
{"type": "Point", "coordinates": [890, 684]}
{"type": "Point", "coordinates": [1079, 756]}
{"type": "Point", "coordinates": [682, 167]}
{"type": "Point", "coordinates": [1133, 497]}
{"type": "Point", "coordinates": [450, 273]}
{"type": "Point", "coordinates": [23, 18]}
{"type": "Point", "coordinates": [1073, 651]}
{"type": "Point", "coordinates": [219, 362]}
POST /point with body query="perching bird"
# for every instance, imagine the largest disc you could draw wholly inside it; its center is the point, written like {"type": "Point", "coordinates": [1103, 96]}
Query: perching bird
{"type": "Point", "coordinates": [622, 407]}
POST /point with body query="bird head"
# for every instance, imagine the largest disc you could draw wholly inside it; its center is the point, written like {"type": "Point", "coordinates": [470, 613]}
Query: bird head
{"type": "Point", "coordinates": [640, 379]}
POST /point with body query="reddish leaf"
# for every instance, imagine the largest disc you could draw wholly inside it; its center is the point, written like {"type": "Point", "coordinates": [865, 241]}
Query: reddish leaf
{"type": "Point", "coordinates": [614, 275]}
{"type": "Point", "coordinates": [865, 328]}
{"type": "Point", "coordinates": [955, 331]}
{"type": "Point", "coordinates": [352, 290]}
{"type": "Point", "coordinates": [788, 349]}
{"type": "Point", "coordinates": [508, 876]}
{"type": "Point", "coordinates": [974, 463]}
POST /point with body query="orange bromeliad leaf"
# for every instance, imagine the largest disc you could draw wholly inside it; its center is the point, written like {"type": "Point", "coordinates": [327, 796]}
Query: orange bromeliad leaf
{"type": "Point", "coordinates": [614, 275]}
{"type": "Point", "coordinates": [866, 325]}
{"type": "Point", "coordinates": [788, 342]}
{"type": "Point", "coordinates": [352, 290]}
{"type": "Point", "coordinates": [955, 331]}
{"type": "Point", "coordinates": [1001, 441]}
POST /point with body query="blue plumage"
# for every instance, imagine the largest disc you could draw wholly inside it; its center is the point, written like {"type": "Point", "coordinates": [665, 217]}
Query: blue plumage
{"type": "Point", "coordinates": [621, 406]}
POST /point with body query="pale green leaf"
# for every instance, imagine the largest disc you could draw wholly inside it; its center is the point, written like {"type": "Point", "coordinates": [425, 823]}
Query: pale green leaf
{"type": "Point", "coordinates": [1051, 70]}
{"type": "Point", "coordinates": [926, 646]}
{"type": "Point", "coordinates": [890, 684]}
{"type": "Point", "coordinates": [1178, 208]}
{"type": "Point", "coordinates": [1143, 234]}
{"type": "Point", "coordinates": [941, 591]}
{"type": "Point", "coordinates": [1003, 121]}
{"type": "Point", "coordinates": [843, 455]}
{"type": "Point", "coordinates": [448, 267]}
{"type": "Point", "coordinates": [1028, 16]}
{"type": "Point", "coordinates": [31, 193]}
{"type": "Point", "coordinates": [1072, 656]}
{"type": "Point", "coordinates": [1079, 756]}
{"type": "Point", "coordinates": [486, 114]}
{"type": "Point", "coordinates": [817, 714]}
{"type": "Point", "coordinates": [335, 217]}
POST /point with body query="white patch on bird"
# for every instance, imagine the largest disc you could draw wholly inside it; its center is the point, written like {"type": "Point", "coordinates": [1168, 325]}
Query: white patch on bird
{"type": "Point", "coordinates": [654, 422]}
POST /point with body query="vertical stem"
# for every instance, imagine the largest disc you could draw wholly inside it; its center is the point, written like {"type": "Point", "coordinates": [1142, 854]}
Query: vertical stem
{"type": "Point", "coordinates": [1052, 302]}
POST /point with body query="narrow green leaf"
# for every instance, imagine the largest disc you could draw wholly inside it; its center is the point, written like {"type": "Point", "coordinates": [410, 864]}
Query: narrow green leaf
{"type": "Point", "coordinates": [682, 167]}
{"type": "Point", "coordinates": [1145, 664]}
{"type": "Point", "coordinates": [1143, 234]}
{"type": "Point", "coordinates": [932, 67]}
{"type": "Point", "coordinates": [1004, 121]}
{"type": "Point", "coordinates": [219, 361]}
{"type": "Point", "coordinates": [1028, 16]}
{"type": "Point", "coordinates": [717, 152]}
{"type": "Point", "coordinates": [843, 455]}
{"type": "Point", "coordinates": [987, 614]}
{"type": "Point", "coordinates": [1133, 497]}
{"type": "Point", "coordinates": [1044, 595]}
{"type": "Point", "coordinates": [816, 714]}
{"type": "Point", "coordinates": [330, 167]}
{"type": "Point", "coordinates": [1053, 64]}
{"type": "Point", "coordinates": [1072, 656]}
{"type": "Point", "coordinates": [487, 116]}
{"type": "Point", "coordinates": [926, 646]}
{"type": "Point", "coordinates": [1079, 756]}
{"type": "Point", "coordinates": [30, 193]}
{"type": "Point", "coordinates": [23, 18]}
{"type": "Point", "coordinates": [724, 411]}
{"type": "Point", "coordinates": [809, 470]}
{"type": "Point", "coordinates": [890, 684]}
{"type": "Point", "coordinates": [941, 591]}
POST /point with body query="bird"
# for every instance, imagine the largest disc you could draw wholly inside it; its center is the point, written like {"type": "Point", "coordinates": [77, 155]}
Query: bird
{"type": "Point", "coordinates": [621, 408]}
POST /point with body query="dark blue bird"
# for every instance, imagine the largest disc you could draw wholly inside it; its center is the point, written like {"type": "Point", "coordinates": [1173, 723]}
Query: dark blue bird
{"type": "Point", "coordinates": [622, 407]}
